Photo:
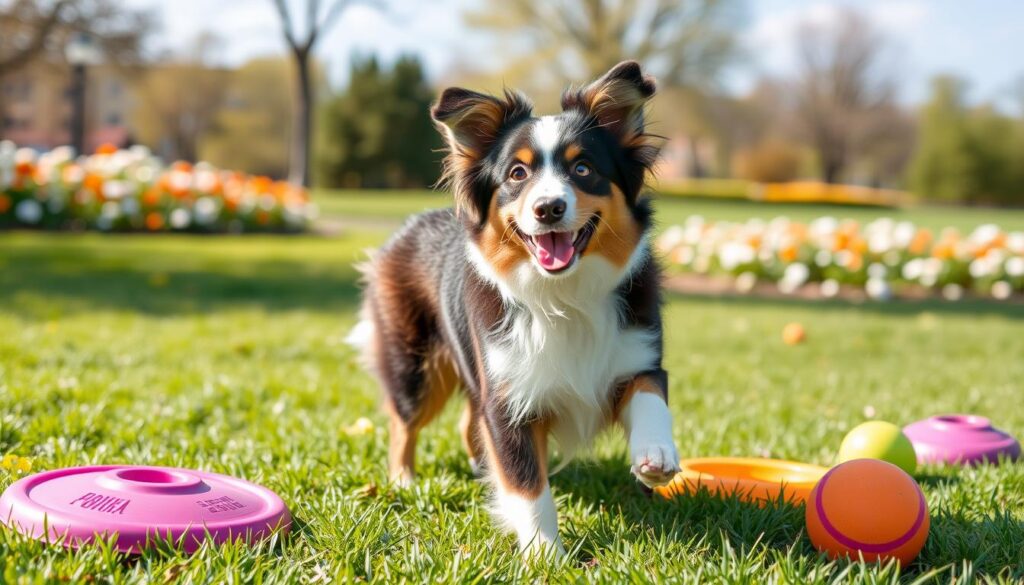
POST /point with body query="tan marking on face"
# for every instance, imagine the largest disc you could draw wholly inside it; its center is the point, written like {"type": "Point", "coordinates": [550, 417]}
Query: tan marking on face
{"type": "Point", "coordinates": [498, 242]}
{"type": "Point", "coordinates": [618, 233]}
{"type": "Point", "coordinates": [572, 151]}
{"type": "Point", "coordinates": [525, 156]}
{"type": "Point", "coordinates": [641, 383]}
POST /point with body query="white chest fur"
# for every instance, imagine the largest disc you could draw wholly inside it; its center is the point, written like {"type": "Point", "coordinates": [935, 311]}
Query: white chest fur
{"type": "Point", "coordinates": [562, 348]}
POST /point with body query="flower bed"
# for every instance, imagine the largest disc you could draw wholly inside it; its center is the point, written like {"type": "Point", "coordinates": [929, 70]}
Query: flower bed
{"type": "Point", "coordinates": [131, 190]}
{"type": "Point", "coordinates": [883, 258]}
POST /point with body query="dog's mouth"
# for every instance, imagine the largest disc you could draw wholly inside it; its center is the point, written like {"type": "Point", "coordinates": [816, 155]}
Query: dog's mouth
{"type": "Point", "coordinates": [557, 251]}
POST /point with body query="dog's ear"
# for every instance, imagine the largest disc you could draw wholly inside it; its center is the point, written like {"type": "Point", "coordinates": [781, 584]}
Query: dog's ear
{"type": "Point", "coordinates": [616, 100]}
{"type": "Point", "coordinates": [471, 122]}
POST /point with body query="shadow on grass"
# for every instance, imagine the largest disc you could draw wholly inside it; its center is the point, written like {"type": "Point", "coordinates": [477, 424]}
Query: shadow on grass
{"type": "Point", "coordinates": [706, 524]}
{"type": "Point", "coordinates": [46, 281]}
{"type": "Point", "coordinates": [895, 308]}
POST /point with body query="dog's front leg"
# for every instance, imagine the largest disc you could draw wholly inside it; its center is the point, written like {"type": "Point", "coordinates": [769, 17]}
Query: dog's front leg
{"type": "Point", "coordinates": [518, 467]}
{"type": "Point", "coordinates": [643, 411]}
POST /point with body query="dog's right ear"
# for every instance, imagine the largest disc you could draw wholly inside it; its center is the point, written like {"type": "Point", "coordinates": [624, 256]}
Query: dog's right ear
{"type": "Point", "coordinates": [471, 122]}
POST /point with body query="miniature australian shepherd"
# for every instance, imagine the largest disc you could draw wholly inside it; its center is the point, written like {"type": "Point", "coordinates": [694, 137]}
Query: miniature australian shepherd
{"type": "Point", "coordinates": [537, 295]}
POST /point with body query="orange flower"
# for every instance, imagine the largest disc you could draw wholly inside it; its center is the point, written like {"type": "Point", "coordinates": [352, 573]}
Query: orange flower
{"type": "Point", "coordinates": [262, 218]}
{"type": "Point", "coordinates": [919, 245]}
{"type": "Point", "coordinates": [94, 183]}
{"type": "Point", "coordinates": [789, 253]}
{"type": "Point", "coordinates": [106, 148]}
{"type": "Point", "coordinates": [154, 221]}
{"type": "Point", "coordinates": [943, 251]}
{"type": "Point", "coordinates": [182, 166]}
{"type": "Point", "coordinates": [5, 203]}
{"type": "Point", "coordinates": [24, 169]}
{"type": "Point", "coordinates": [151, 197]}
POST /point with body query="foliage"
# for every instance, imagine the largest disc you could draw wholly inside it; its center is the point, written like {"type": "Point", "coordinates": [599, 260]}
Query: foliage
{"type": "Point", "coordinates": [32, 28]}
{"type": "Point", "coordinates": [967, 155]}
{"type": "Point", "coordinates": [683, 43]}
{"type": "Point", "coordinates": [843, 92]}
{"type": "Point", "coordinates": [129, 190]}
{"type": "Point", "coordinates": [251, 131]}
{"type": "Point", "coordinates": [770, 161]}
{"type": "Point", "coordinates": [227, 355]}
{"type": "Point", "coordinates": [378, 132]}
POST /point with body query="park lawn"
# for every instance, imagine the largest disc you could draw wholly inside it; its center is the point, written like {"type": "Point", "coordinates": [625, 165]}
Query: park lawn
{"type": "Point", "coordinates": [395, 205]}
{"type": "Point", "coordinates": [226, 354]}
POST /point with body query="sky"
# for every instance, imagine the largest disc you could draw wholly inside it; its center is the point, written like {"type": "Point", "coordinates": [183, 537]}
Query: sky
{"type": "Point", "coordinates": [981, 40]}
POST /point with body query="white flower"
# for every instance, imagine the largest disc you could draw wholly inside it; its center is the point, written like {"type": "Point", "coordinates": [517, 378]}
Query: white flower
{"type": "Point", "coordinates": [116, 189]}
{"type": "Point", "coordinates": [666, 242]}
{"type": "Point", "coordinates": [180, 218]}
{"type": "Point", "coordinates": [130, 205]}
{"type": "Point", "coordinates": [25, 155]}
{"type": "Point", "coordinates": [1015, 242]}
{"type": "Point", "coordinates": [1015, 266]}
{"type": "Point", "coordinates": [878, 289]}
{"type": "Point", "coordinates": [145, 174]}
{"type": "Point", "coordinates": [904, 234]}
{"type": "Point", "coordinates": [794, 277]}
{"type": "Point", "coordinates": [745, 282]}
{"type": "Point", "coordinates": [110, 210]}
{"type": "Point", "coordinates": [734, 254]}
{"type": "Point", "coordinates": [913, 269]}
{"type": "Point", "coordinates": [205, 211]}
{"type": "Point", "coordinates": [829, 288]}
{"type": "Point", "coordinates": [985, 234]}
{"type": "Point", "coordinates": [952, 292]}
{"type": "Point", "coordinates": [877, 271]}
{"type": "Point", "coordinates": [823, 258]}
{"type": "Point", "coordinates": [179, 180]}
{"type": "Point", "coordinates": [1001, 290]}
{"type": "Point", "coordinates": [29, 211]}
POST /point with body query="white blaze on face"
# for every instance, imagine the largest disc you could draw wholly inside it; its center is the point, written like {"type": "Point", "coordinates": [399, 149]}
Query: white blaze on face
{"type": "Point", "coordinates": [546, 134]}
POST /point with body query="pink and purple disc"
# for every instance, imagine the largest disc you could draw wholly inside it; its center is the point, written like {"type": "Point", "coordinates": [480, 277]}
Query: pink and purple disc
{"type": "Point", "coordinates": [964, 439]}
{"type": "Point", "coordinates": [139, 506]}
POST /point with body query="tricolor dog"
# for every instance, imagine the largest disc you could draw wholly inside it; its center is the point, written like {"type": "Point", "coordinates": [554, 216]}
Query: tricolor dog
{"type": "Point", "coordinates": [537, 295]}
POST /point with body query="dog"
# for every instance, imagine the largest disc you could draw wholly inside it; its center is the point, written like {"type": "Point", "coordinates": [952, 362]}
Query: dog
{"type": "Point", "coordinates": [537, 295]}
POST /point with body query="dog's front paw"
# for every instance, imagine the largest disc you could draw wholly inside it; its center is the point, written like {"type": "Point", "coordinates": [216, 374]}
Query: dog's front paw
{"type": "Point", "coordinates": [655, 465]}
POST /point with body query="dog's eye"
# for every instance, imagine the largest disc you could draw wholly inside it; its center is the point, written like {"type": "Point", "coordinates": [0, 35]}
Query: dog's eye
{"type": "Point", "coordinates": [518, 173]}
{"type": "Point", "coordinates": [582, 169]}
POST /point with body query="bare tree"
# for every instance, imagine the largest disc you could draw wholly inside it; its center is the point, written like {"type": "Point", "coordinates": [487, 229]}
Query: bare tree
{"type": "Point", "coordinates": [319, 20]}
{"type": "Point", "coordinates": [844, 89]}
{"type": "Point", "coordinates": [686, 42]}
{"type": "Point", "coordinates": [30, 29]}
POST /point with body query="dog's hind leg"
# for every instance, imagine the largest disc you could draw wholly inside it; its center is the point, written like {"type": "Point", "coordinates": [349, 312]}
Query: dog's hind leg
{"type": "Point", "coordinates": [469, 426]}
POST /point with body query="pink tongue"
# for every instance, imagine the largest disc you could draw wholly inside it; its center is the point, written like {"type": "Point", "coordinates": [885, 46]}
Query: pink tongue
{"type": "Point", "coordinates": [554, 250]}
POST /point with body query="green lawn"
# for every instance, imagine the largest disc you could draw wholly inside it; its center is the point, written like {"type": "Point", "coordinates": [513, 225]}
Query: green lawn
{"type": "Point", "coordinates": [225, 353]}
{"type": "Point", "coordinates": [394, 205]}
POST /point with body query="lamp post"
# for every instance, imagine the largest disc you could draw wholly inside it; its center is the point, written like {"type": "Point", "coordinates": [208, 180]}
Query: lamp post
{"type": "Point", "coordinates": [81, 51]}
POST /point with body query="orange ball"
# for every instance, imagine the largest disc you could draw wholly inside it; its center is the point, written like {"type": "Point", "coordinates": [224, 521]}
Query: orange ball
{"type": "Point", "coordinates": [869, 508]}
{"type": "Point", "coordinates": [793, 333]}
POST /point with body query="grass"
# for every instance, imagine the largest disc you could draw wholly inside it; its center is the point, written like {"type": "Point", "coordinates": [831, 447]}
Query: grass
{"type": "Point", "coordinates": [225, 353]}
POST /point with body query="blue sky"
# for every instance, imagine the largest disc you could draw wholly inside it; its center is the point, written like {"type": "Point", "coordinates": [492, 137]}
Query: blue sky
{"type": "Point", "coordinates": [981, 40]}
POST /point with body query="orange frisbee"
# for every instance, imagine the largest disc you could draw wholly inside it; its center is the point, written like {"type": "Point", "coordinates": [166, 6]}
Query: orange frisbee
{"type": "Point", "coordinates": [750, 479]}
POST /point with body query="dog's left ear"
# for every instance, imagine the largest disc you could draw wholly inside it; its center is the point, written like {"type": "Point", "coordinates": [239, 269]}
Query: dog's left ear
{"type": "Point", "coordinates": [616, 100]}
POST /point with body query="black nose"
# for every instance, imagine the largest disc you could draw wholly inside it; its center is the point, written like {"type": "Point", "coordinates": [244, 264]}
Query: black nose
{"type": "Point", "coordinates": [549, 211]}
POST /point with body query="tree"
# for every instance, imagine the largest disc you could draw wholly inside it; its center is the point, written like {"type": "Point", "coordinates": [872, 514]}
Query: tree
{"type": "Point", "coordinates": [684, 42]}
{"type": "Point", "coordinates": [378, 132]}
{"type": "Point", "coordinates": [841, 88]}
{"type": "Point", "coordinates": [251, 131]}
{"type": "Point", "coordinates": [182, 98]}
{"type": "Point", "coordinates": [32, 28]}
{"type": "Point", "coordinates": [318, 23]}
{"type": "Point", "coordinates": [967, 155]}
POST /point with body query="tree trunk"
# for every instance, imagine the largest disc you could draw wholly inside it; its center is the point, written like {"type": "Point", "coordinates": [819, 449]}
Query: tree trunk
{"type": "Point", "coordinates": [298, 174]}
{"type": "Point", "coordinates": [696, 169]}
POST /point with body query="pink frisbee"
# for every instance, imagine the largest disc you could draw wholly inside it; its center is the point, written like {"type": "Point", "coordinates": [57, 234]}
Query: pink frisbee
{"type": "Point", "coordinates": [960, 438]}
{"type": "Point", "coordinates": [141, 505]}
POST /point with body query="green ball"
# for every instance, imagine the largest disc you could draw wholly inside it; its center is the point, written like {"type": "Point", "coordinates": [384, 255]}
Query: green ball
{"type": "Point", "coordinates": [879, 440]}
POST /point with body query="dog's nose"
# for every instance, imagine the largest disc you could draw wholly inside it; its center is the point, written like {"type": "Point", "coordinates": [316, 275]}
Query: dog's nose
{"type": "Point", "coordinates": [549, 211]}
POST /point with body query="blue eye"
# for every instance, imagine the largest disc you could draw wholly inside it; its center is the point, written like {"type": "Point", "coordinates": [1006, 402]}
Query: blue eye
{"type": "Point", "coordinates": [582, 169]}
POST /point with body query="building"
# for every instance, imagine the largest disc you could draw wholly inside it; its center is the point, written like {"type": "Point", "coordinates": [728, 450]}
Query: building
{"type": "Point", "coordinates": [36, 105]}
